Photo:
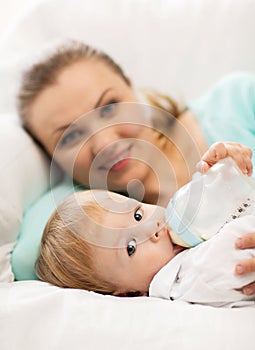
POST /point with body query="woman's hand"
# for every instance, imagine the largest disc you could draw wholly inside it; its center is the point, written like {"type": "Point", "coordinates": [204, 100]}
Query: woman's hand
{"type": "Point", "coordinates": [246, 266]}
{"type": "Point", "coordinates": [220, 150]}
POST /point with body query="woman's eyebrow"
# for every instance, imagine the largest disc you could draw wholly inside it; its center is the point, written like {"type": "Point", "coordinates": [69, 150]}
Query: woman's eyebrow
{"type": "Point", "coordinates": [61, 128]}
{"type": "Point", "coordinates": [64, 127]}
{"type": "Point", "coordinates": [101, 97]}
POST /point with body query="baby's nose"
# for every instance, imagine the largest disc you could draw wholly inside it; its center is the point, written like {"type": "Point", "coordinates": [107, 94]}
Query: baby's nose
{"type": "Point", "coordinates": [155, 237]}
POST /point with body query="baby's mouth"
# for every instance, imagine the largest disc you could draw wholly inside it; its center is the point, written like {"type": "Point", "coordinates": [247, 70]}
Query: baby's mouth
{"type": "Point", "coordinates": [176, 248]}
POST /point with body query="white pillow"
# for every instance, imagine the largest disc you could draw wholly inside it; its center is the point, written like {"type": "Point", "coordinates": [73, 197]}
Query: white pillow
{"type": "Point", "coordinates": [24, 177]}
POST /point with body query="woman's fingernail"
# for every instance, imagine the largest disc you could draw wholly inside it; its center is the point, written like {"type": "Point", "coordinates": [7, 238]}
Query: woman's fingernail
{"type": "Point", "coordinates": [239, 243]}
{"type": "Point", "coordinates": [239, 269]}
{"type": "Point", "coordinates": [248, 290]}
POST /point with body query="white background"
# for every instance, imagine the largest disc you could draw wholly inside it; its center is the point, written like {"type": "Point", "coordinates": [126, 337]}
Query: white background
{"type": "Point", "coordinates": [184, 46]}
{"type": "Point", "coordinates": [10, 10]}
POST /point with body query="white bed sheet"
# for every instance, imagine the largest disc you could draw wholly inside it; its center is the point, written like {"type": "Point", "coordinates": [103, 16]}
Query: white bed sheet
{"type": "Point", "coordinates": [35, 315]}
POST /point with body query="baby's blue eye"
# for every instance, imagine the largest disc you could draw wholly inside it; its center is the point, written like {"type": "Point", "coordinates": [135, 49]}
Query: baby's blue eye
{"type": "Point", "coordinates": [71, 137]}
{"type": "Point", "coordinates": [131, 247]}
{"type": "Point", "coordinates": [107, 110]}
{"type": "Point", "coordinates": [138, 215]}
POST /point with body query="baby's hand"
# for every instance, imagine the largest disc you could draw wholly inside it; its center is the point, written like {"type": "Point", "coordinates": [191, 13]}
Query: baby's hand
{"type": "Point", "coordinates": [220, 150]}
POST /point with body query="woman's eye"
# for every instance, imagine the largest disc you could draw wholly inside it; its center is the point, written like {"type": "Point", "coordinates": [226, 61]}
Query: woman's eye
{"type": "Point", "coordinates": [138, 214]}
{"type": "Point", "coordinates": [108, 109]}
{"type": "Point", "coordinates": [131, 247]}
{"type": "Point", "coordinates": [71, 137]}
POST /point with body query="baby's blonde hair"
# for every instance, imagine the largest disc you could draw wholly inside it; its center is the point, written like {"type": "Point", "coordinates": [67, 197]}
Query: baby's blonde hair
{"type": "Point", "coordinates": [65, 257]}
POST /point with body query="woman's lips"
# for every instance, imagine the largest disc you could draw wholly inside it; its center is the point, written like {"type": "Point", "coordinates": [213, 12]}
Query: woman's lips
{"type": "Point", "coordinates": [118, 161]}
{"type": "Point", "coordinates": [120, 165]}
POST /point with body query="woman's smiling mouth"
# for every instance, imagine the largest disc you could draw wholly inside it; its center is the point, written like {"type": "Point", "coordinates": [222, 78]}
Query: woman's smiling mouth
{"type": "Point", "coordinates": [118, 161]}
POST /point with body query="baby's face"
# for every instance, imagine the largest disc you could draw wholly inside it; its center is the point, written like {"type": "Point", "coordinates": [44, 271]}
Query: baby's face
{"type": "Point", "coordinates": [142, 245]}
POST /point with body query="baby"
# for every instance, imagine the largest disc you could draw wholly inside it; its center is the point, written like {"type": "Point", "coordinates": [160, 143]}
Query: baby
{"type": "Point", "coordinates": [104, 242]}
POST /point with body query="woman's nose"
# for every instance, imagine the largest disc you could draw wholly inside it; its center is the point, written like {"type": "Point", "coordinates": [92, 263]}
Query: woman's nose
{"type": "Point", "coordinates": [103, 139]}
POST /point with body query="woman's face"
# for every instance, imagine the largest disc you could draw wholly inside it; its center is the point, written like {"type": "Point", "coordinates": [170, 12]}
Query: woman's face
{"type": "Point", "coordinates": [101, 145]}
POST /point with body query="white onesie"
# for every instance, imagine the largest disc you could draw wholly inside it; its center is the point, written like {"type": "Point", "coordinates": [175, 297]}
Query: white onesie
{"type": "Point", "coordinates": [205, 274]}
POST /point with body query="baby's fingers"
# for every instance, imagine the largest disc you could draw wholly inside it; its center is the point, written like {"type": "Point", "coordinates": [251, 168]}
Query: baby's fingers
{"type": "Point", "coordinates": [243, 161]}
{"type": "Point", "coordinates": [220, 150]}
{"type": "Point", "coordinates": [245, 164]}
{"type": "Point", "coordinates": [242, 156]}
{"type": "Point", "coordinates": [216, 152]}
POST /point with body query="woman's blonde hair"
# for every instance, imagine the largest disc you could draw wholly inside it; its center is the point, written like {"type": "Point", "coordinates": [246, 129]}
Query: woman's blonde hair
{"type": "Point", "coordinates": [43, 74]}
{"type": "Point", "coordinates": [65, 257]}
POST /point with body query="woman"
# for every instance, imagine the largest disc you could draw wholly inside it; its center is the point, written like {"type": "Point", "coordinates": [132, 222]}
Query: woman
{"type": "Point", "coordinates": [125, 156]}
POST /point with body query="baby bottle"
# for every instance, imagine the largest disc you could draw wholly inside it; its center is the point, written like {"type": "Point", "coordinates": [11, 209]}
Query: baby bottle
{"type": "Point", "coordinates": [201, 208]}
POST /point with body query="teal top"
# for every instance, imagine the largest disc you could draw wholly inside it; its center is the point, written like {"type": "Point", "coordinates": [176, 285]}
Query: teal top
{"type": "Point", "coordinates": [227, 111]}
